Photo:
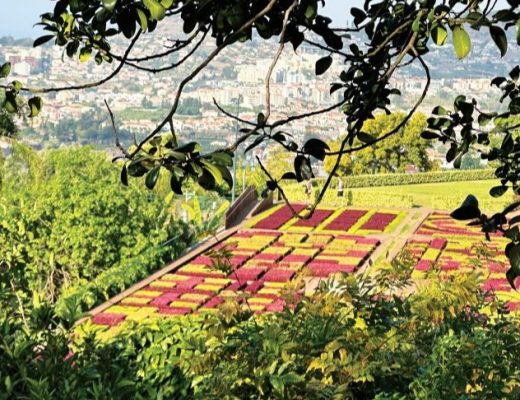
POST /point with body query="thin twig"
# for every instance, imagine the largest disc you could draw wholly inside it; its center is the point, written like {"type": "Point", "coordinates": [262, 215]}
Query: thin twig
{"type": "Point", "coordinates": [275, 60]}
{"type": "Point", "coordinates": [114, 131]}
{"type": "Point", "coordinates": [173, 65]}
{"type": "Point", "coordinates": [92, 84]}
{"type": "Point", "coordinates": [230, 39]}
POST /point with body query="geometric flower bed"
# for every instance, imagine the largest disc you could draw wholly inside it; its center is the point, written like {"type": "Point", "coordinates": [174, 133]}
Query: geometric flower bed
{"type": "Point", "coordinates": [274, 247]}
{"type": "Point", "coordinates": [439, 223]}
{"type": "Point", "coordinates": [262, 263]}
{"type": "Point", "coordinates": [349, 221]}
{"type": "Point", "coordinates": [450, 245]}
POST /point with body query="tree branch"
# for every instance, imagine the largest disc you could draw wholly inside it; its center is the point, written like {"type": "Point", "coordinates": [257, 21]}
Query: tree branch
{"type": "Point", "coordinates": [197, 70]}
{"type": "Point", "coordinates": [275, 60]}
{"type": "Point", "coordinates": [114, 131]}
{"type": "Point", "coordinates": [92, 84]}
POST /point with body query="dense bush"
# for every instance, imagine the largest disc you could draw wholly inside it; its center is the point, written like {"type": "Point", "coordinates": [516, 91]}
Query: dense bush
{"type": "Point", "coordinates": [353, 339]}
{"type": "Point", "coordinates": [358, 181]}
{"type": "Point", "coordinates": [64, 220]}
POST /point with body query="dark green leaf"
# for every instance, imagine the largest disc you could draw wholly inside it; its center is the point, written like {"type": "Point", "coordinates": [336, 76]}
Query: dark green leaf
{"type": "Point", "coordinates": [5, 70]}
{"type": "Point", "coordinates": [175, 184]}
{"type": "Point", "coordinates": [289, 176]}
{"type": "Point", "coordinates": [35, 106]}
{"type": "Point", "coordinates": [498, 191]}
{"type": "Point", "coordinates": [42, 39]}
{"type": "Point", "coordinates": [365, 137]}
{"type": "Point", "coordinates": [499, 37]}
{"type": "Point", "coordinates": [124, 176]}
{"type": "Point", "coordinates": [323, 64]}
{"type": "Point", "coordinates": [514, 260]}
{"type": "Point", "coordinates": [152, 177]}
{"type": "Point", "coordinates": [302, 168]}
{"type": "Point", "coordinates": [427, 134]}
{"type": "Point", "coordinates": [515, 73]}
{"type": "Point", "coordinates": [316, 148]}
{"type": "Point", "coordinates": [109, 4]}
{"type": "Point", "coordinates": [468, 210]}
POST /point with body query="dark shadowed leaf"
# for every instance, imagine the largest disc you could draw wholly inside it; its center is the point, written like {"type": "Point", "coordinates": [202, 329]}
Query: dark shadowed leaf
{"type": "Point", "coordinates": [152, 177]}
{"type": "Point", "coordinates": [365, 137]}
{"type": "Point", "coordinates": [316, 148]}
{"type": "Point", "coordinates": [468, 210]}
{"type": "Point", "coordinates": [175, 185]}
{"type": "Point", "coordinates": [514, 260]}
{"type": "Point", "coordinates": [42, 39]}
{"type": "Point", "coordinates": [498, 191]}
{"type": "Point", "coordinates": [499, 37]}
{"type": "Point", "coordinates": [323, 64]}
{"type": "Point", "coordinates": [302, 168]}
{"type": "Point", "coordinates": [35, 106]}
{"type": "Point", "coordinates": [427, 134]}
{"type": "Point", "coordinates": [289, 176]}
{"type": "Point", "coordinates": [124, 176]}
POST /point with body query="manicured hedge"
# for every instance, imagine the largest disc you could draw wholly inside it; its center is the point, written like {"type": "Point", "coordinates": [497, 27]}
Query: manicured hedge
{"type": "Point", "coordinates": [359, 181]}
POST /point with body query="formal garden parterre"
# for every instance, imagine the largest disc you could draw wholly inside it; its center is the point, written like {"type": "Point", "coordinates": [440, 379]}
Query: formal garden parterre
{"type": "Point", "coordinates": [274, 249]}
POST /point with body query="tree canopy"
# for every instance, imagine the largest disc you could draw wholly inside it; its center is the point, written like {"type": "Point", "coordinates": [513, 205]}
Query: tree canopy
{"type": "Point", "coordinates": [396, 34]}
{"type": "Point", "coordinates": [394, 154]}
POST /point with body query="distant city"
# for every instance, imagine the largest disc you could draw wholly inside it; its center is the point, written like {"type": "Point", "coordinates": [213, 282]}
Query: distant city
{"type": "Point", "coordinates": [235, 80]}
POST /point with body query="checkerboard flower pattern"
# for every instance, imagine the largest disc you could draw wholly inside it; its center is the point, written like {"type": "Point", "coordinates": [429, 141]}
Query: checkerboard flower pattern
{"type": "Point", "coordinates": [264, 260]}
{"type": "Point", "coordinates": [449, 244]}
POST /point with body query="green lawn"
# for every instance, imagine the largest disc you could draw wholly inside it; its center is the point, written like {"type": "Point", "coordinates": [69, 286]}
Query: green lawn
{"type": "Point", "coordinates": [444, 196]}
{"type": "Point", "coordinates": [440, 196]}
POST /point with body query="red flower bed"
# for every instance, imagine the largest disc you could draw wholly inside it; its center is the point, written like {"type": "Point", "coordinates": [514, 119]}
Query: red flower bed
{"type": "Point", "coordinates": [378, 221]}
{"type": "Point", "coordinates": [174, 310]}
{"type": "Point", "coordinates": [375, 242]}
{"type": "Point", "coordinates": [358, 253]}
{"type": "Point", "coordinates": [423, 265]}
{"type": "Point", "coordinates": [109, 319]}
{"type": "Point", "coordinates": [324, 270]}
{"type": "Point", "coordinates": [165, 299]}
{"type": "Point", "coordinates": [438, 243]}
{"type": "Point", "coordinates": [190, 283]}
{"type": "Point", "coordinates": [297, 258]}
{"type": "Point", "coordinates": [214, 302]}
{"type": "Point", "coordinates": [276, 306]}
{"type": "Point", "coordinates": [497, 284]}
{"type": "Point", "coordinates": [345, 220]}
{"type": "Point", "coordinates": [254, 287]}
{"type": "Point", "coordinates": [278, 275]}
{"type": "Point", "coordinates": [278, 218]}
{"type": "Point", "coordinates": [248, 274]}
{"type": "Point", "coordinates": [316, 218]}
{"type": "Point", "coordinates": [450, 265]}
{"type": "Point", "coordinates": [268, 257]}
{"type": "Point", "coordinates": [202, 260]}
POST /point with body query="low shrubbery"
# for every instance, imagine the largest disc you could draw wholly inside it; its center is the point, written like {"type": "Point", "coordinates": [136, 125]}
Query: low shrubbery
{"type": "Point", "coordinates": [353, 339]}
{"type": "Point", "coordinates": [359, 181]}
{"type": "Point", "coordinates": [67, 225]}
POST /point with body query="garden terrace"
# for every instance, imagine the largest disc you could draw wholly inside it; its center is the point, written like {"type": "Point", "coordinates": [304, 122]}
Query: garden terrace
{"type": "Point", "coordinates": [452, 246]}
{"type": "Point", "coordinates": [270, 250]}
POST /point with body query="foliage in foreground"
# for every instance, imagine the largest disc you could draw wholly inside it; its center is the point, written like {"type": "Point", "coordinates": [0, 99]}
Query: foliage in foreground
{"type": "Point", "coordinates": [353, 339]}
{"type": "Point", "coordinates": [64, 221]}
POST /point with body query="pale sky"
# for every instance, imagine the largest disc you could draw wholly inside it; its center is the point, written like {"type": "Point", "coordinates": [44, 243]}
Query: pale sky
{"type": "Point", "coordinates": [18, 16]}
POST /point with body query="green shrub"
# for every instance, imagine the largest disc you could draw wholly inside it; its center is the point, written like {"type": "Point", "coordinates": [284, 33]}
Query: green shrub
{"type": "Point", "coordinates": [350, 340]}
{"type": "Point", "coordinates": [65, 219]}
{"type": "Point", "coordinates": [359, 181]}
